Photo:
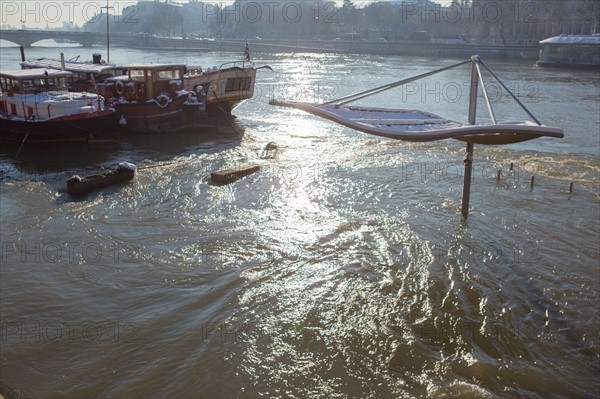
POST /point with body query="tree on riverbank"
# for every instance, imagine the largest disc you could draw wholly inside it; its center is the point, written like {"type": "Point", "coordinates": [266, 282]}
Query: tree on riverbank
{"type": "Point", "coordinates": [491, 21]}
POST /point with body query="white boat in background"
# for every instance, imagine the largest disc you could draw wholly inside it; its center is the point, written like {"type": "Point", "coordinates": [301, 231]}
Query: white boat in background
{"type": "Point", "coordinates": [35, 105]}
{"type": "Point", "coordinates": [571, 51]}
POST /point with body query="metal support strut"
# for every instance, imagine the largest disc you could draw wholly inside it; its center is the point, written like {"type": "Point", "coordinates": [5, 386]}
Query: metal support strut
{"type": "Point", "coordinates": [472, 119]}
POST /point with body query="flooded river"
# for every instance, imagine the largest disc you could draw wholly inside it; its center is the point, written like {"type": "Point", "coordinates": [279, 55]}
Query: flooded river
{"type": "Point", "coordinates": [343, 269]}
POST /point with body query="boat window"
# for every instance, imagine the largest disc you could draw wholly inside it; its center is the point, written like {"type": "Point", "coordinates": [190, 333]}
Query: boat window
{"type": "Point", "coordinates": [232, 85]}
{"type": "Point", "coordinates": [39, 83]}
{"type": "Point", "coordinates": [13, 85]}
{"type": "Point", "coordinates": [80, 77]}
{"type": "Point", "coordinates": [56, 84]}
{"type": "Point", "coordinates": [3, 84]}
{"type": "Point", "coordinates": [10, 85]}
{"type": "Point", "coordinates": [235, 84]}
{"type": "Point", "coordinates": [116, 72]}
{"type": "Point", "coordinates": [137, 74]}
{"type": "Point", "coordinates": [26, 85]}
{"type": "Point", "coordinates": [170, 74]}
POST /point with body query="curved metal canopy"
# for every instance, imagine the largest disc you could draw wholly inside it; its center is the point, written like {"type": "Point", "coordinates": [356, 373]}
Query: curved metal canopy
{"type": "Point", "coordinates": [414, 125]}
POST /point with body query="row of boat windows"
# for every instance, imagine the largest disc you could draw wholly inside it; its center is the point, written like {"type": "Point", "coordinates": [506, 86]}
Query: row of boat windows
{"type": "Point", "coordinates": [32, 85]}
{"type": "Point", "coordinates": [85, 76]}
{"type": "Point", "coordinates": [140, 74]}
{"type": "Point", "coordinates": [235, 84]}
{"type": "Point", "coordinates": [573, 48]}
{"type": "Point", "coordinates": [45, 84]}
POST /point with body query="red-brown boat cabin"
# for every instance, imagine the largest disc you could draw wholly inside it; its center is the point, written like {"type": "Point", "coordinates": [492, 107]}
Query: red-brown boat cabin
{"type": "Point", "coordinates": [145, 82]}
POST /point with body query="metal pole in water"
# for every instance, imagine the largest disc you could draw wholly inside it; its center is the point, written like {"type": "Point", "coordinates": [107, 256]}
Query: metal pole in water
{"type": "Point", "coordinates": [472, 119]}
{"type": "Point", "coordinates": [467, 182]}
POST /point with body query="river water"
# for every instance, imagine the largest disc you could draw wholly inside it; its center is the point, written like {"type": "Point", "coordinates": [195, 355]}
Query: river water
{"type": "Point", "coordinates": [343, 269]}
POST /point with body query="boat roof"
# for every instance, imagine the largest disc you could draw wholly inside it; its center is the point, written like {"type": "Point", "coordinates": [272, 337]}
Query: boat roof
{"type": "Point", "coordinates": [34, 73]}
{"type": "Point", "coordinates": [86, 67]}
{"type": "Point", "coordinates": [415, 125]}
{"type": "Point", "coordinates": [155, 66]}
{"type": "Point", "coordinates": [573, 39]}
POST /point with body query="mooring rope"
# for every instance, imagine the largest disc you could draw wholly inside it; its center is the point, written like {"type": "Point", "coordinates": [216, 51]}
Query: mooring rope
{"type": "Point", "coordinates": [23, 142]}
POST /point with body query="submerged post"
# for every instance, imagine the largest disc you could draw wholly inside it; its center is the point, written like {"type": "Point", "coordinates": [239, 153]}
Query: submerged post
{"type": "Point", "coordinates": [472, 119]}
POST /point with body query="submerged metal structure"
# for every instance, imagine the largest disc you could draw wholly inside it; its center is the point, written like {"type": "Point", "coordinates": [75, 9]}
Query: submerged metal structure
{"type": "Point", "coordinates": [419, 126]}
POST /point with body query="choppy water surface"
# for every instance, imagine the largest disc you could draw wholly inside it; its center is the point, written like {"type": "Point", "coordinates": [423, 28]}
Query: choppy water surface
{"type": "Point", "coordinates": [342, 269]}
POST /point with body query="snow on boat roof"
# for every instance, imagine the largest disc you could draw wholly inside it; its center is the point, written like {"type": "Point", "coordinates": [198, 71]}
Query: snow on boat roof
{"type": "Point", "coordinates": [573, 39]}
{"type": "Point", "coordinates": [34, 73]}
{"type": "Point", "coordinates": [414, 125]}
{"type": "Point", "coordinates": [154, 66]}
{"type": "Point", "coordinates": [86, 67]}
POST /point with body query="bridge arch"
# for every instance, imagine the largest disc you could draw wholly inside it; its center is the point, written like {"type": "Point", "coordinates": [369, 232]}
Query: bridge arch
{"type": "Point", "coordinates": [26, 38]}
{"type": "Point", "coordinates": [15, 38]}
{"type": "Point", "coordinates": [13, 42]}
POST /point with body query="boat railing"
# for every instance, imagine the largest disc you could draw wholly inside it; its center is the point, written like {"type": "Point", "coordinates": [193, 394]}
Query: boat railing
{"type": "Point", "coordinates": [239, 64]}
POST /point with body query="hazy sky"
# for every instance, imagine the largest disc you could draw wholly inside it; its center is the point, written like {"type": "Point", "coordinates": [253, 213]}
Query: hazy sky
{"type": "Point", "coordinates": [53, 13]}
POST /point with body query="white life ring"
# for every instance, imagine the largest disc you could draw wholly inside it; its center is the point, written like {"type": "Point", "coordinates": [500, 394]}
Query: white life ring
{"type": "Point", "coordinates": [120, 87]}
{"type": "Point", "coordinates": [162, 100]}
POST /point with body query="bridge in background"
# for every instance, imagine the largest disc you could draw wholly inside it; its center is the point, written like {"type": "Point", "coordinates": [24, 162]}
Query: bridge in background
{"type": "Point", "coordinates": [26, 37]}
